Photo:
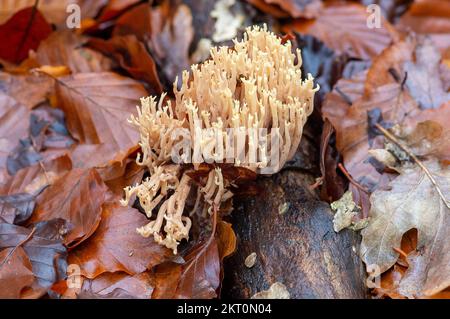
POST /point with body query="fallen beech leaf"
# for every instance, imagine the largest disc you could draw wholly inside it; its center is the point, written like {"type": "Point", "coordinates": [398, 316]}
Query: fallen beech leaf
{"type": "Point", "coordinates": [54, 71]}
{"type": "Point", "coordinates": [15, 272]}
{"type": "Point", "coordinates": [16, 208]}
{"type": "Point", "coordinates": [66, 48]}
{"type": "Point", "coordinates": [34, 178]}
{"type": "Point", "coordinates": [77, 197]}
{"type": "Point", "coordinates": [43, 247]}
{"type": "Point", "coordinates": [97, 106]}
{"type": "Point", "coordinates": [273, 10]}
{"type": "Point", "coordinates": [428, 132]}
{"type": "Point", "coordinates": [132, 56]}
{"type": "Point", "coordinates": [14, 123]}
{"type": "Point", "coordinates": [429, 17]}
{"type": "Point", "coordinates": [423, 80]}
{"type": "Point", "coordinates": [116, 246]}
{"type": "Point", "coordinates": [117, 176]}
{"type": "Point", "coordinates": [299, 8]}
{"type": "Point", "coordinates": [392, 10]}
{"type": "Point", "coordinates": [48, 138]}
{"type": "Point", "coordinates": [197, 278]}
{"type": "Point", "coordinates": [136, 21]}
{"type": "Point", "coordinates": [54, 11]}
{"type": "Point", "coordinates": [170, 39]}
{"type": "Point", "coordinates": [29, 89]}
{"type": "Point", "coordinates": [343, 28]}
{"type": "Point", "coordinates": [412, 202]}
{"type": "Point", "coordinates": [21, 33]}
{"type": "Point", "coordinates": [388, 66]}
{"type": "Point", "coordinates": [117, 285]}
{"type": "Point", "coordinates": [115, 8]}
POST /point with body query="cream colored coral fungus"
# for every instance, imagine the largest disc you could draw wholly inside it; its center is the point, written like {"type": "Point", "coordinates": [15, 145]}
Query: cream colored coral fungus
{"type": "Point", "coordinates": [246, 105]}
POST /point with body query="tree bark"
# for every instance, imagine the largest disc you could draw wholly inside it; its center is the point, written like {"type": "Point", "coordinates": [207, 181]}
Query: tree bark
{"type": "Point", "coordinates": [298, 248]}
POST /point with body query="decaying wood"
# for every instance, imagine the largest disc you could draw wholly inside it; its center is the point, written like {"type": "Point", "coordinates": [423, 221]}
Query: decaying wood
{"type": "Point", "coordinates": [296, 246]}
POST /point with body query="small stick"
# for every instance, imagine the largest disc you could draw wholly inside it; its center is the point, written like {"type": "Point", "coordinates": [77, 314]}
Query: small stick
{"type": "Point", "coordinates": [350, 178]}
{"type": "Point", "coordinates": [414, 157]}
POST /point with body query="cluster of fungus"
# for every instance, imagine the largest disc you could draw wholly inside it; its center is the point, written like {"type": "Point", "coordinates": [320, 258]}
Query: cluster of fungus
{"type": "Point", "coordinates": [255, 85]}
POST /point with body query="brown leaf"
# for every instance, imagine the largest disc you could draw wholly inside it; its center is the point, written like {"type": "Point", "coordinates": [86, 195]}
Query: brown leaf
{"type": "Point", "coordinates": [273, 10]}
{"type": "Point", "coordinates": [15, 272]}
{"type": "Point", "coordinates": [413, 201]}
{"type": "Point", "coordinates": [77, 197]}
{"type": "Point", "coordinates": [16, 208]}
{"type": "Point", "coordinates": [226, 239]}
{"type": "Point", "coordinates": [34, 178]}
{"type": "Point", "coordinates": [53, 11]}
{"type": "Point", "coordinates": [29, 90]}
{"type": "Point", "coordinates": [119, 175]}
{"type": "Point", "coordinates": [197, 278]}
{"type": "Point", "coordinates": [171, 36]}
{"type": "Point", "coordinates": [431, 17]}
{"type": "Point", "coordinates": [136, 21]}
{"type": "Point", "coordinates": [98, 105]}
{"type": "Point", "coordinates": [117, 285]}
{"type": "Point", "coordinates": [343, 28]}
{"type": "Point", "coordinates": [116, 246]}
{"type": "Point", "coordinates": [423, 76]}
{"type": "Point", "coordinates": [65, 48]}
{"type": "Point", "coordinates": [132, 56]}
{"type": "Point", "coordinates": [21, 33]}
{"type": "Point", "coordinates": [299, 8]}
{"type": "Point", "coordinates": [14, 123]}
{"type": "Point", "coordinates": [43, 246]}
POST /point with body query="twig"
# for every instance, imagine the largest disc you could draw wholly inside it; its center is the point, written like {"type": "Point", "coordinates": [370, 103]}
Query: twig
{"type": "Point", "coordinates": [414, 157]}
{"type": "Point", "coordinates": [18, 245]}
{"type": "Point", "coordinates": [350, 179]}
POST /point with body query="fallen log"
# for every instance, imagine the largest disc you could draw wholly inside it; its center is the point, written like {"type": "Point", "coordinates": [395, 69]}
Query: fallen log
{"type": "Point", "coordinates": [292, 234]}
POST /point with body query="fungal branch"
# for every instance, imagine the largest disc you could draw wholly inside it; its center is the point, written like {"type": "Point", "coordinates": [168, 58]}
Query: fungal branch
{"type": "Point", "coordinates": [246, 105]}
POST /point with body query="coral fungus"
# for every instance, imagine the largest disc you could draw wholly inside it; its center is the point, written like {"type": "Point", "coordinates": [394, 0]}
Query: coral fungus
{"type": "Point", "coordinates": [227, 110]}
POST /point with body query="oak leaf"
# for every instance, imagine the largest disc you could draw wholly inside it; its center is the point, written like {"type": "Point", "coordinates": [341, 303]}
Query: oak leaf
{"type": "Point", "coordinates": [412, 201]}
